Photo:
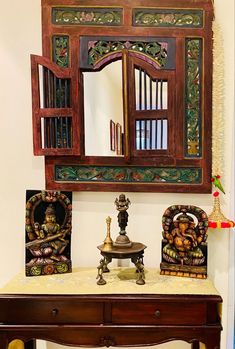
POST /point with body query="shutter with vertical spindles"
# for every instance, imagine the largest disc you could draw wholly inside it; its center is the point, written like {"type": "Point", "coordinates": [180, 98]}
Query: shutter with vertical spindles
{"type": "Point", "coordinates": [55, 114]}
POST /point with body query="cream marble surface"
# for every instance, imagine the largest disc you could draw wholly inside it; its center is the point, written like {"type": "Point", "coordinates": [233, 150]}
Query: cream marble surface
{"type": "Point", "coordinates": [119, 281]}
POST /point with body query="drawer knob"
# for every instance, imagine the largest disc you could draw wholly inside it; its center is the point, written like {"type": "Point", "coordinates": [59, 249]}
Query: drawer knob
{"type": "Point", "coordinates": [157, 313]}
{"type": "Point", "coordinates": [54, 312]}
{"type": "Point", "coordinates": [107, 342]}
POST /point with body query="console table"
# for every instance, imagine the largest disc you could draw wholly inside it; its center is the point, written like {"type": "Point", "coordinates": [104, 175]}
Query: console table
{"type": "Point", "coordinates": [71, 309]}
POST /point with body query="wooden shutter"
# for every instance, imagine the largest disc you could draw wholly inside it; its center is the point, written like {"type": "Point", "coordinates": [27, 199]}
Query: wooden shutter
{"type": "Point", "coordinates": [55, 109]}
{"type": "Point", "coordinates": [151, 111]}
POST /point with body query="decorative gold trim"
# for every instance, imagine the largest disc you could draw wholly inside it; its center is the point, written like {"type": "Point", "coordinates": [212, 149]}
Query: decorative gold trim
{"type": "Point", "coordinates": [218, 102]}
{"type": "Point", "coordinates": [74, 6]}
{"type": "Point", "coordinates": [105, 56]}
{"type": "Point", "coordinates": [133, 51]}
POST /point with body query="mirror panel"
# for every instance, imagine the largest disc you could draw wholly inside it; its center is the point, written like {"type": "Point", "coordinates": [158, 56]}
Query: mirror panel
{"type": "Point", "coordinates": [103, 107]}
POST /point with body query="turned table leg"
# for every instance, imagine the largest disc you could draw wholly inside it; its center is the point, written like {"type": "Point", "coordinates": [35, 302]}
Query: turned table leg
{"type": "Point", "coordinates": [213, 341]}
{"type": "Point", "coordinates": [30, 344]}
{"type": "Point", "coordinates": [102, 268]}
{"type": "Point", "coordinates": [138, 261]}
{"type": "Point", "coordinates": [3, 341]}
{"type": "Point", "coordinates": [195, 345]}
{"type": "Point", "coordinates": [212, 345]}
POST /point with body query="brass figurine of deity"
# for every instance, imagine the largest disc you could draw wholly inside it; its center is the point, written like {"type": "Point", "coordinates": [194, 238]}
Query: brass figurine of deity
{"type": "Point", "coordinates": [122, 204]}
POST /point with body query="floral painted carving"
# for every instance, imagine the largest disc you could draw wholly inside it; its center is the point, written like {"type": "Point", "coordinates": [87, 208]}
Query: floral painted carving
{"type": "Point", "coordinates": [193, 97]}
{"type": "Point", "coordinates": [99, 50]}
{"type": "Point", "coordinates": [87, 16]}
{"type": "Point", "coordinates": [76, 173]}
{"type": "Point", "coordinates": [61, 50]}
{"type": "Point", "coordinates": [168, 18]}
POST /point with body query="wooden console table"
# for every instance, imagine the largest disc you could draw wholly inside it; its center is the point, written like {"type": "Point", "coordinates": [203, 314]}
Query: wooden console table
{"type": "Point", "coordinates": [120, 313]}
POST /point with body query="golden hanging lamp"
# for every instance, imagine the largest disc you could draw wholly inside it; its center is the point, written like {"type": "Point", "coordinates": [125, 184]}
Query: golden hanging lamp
{"type": "Point", "coordinates": [217, 218]}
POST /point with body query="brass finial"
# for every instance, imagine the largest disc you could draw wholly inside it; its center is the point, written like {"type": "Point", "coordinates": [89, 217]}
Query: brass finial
{"type": "Point", "coordinates": [108, 221]}
{"type": "Point", "coordinates": [108, 242]}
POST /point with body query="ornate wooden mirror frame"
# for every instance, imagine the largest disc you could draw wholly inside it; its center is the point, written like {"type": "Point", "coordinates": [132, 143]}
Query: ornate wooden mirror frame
{"type": "Point", "coordinates": [163, 43]}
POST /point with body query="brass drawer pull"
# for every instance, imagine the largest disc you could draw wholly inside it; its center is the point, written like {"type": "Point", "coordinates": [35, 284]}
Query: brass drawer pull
{"type": "Point", "coordinates": [157, 313]}
{"type": "Point", "coordinates": [54, 312]}
{"type": "Point", "coordinates": [107, 341]}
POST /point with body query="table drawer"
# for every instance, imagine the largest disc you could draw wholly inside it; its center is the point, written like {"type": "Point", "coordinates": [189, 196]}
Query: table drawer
{"type": "Point", "coordinates": [47, 312]}
{"type": "Point", "coordinates": [162, 313]}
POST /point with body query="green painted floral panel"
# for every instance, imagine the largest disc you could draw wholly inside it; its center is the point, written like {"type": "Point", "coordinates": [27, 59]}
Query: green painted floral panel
{"type": "Point", "coordinates": [193, 51]}
{"type": "Point", "coordinates": [76, 173]}
{"type": "Point", "coordinates": [168, 18]}
{"type": "Point", "coordinates": [156, 51]}
{"type": "Point", "coordinates": [87, 16]}
{"type": "Point", "coordinates": [60, 50]}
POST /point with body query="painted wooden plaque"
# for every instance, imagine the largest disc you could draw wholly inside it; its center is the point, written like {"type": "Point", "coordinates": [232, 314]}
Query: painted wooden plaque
{"type": "Point", "coordinates": [184, 247]}
{"type": "Point", "coordinates": [48, 232]}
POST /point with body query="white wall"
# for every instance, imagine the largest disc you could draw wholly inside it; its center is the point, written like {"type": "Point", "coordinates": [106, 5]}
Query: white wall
{"type": "Point", "coordinates": [20, 35]}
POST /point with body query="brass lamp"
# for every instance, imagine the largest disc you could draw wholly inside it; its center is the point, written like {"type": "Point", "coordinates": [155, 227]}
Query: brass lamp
{"type": "Point", "coordinates": [108, 242]}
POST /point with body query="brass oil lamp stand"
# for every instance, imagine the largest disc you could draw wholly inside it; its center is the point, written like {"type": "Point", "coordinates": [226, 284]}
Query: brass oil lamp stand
{"type": "Point", "coordinates": [122, 248]}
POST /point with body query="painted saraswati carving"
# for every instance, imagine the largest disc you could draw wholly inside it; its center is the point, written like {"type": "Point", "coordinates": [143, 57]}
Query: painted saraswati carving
{"type": "Point", "coordinates": [48, 232]}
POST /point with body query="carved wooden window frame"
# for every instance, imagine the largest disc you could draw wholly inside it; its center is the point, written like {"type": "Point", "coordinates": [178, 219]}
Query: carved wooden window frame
{"type": "Point", "coordinates": [189, 25]}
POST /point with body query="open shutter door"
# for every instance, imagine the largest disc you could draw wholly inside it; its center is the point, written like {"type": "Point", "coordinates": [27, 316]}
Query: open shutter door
{"type": "Point", "coordinates": [55, 109]}
{"type": "Point", "coordinates": [152, 111]}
